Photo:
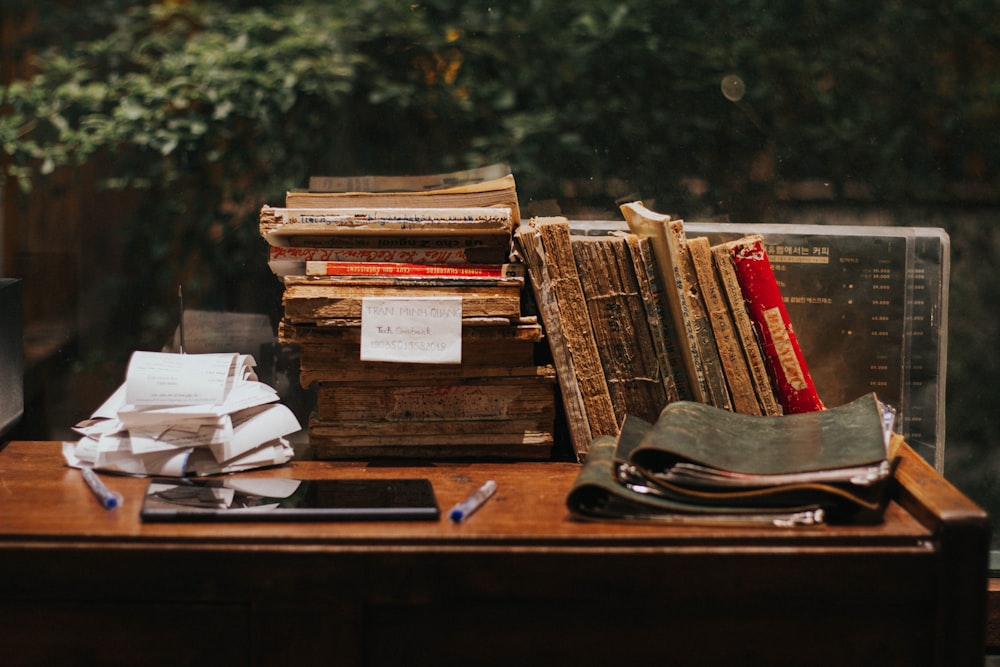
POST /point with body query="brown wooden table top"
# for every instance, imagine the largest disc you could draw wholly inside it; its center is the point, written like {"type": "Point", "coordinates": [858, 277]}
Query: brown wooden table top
{"type": "Point", "coordinates": [45, 502]}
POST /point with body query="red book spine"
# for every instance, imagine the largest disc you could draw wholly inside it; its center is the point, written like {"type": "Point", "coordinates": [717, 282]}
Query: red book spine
{"type": "Point", "coordinates": [338, 268]}
{"type": "Point", "coordinates": [789, 372]}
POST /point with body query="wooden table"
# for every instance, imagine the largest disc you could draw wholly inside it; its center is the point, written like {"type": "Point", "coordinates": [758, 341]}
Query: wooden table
{"type": "Point", "coordinates": [518, 583]}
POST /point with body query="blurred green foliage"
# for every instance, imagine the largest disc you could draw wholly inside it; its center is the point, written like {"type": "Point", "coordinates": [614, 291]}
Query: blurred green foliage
{"type": "Point", "coordinates": [250, 98]}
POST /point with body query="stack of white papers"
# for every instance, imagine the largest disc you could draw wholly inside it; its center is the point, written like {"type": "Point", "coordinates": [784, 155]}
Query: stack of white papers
{"type": "Point", "coordinates": [186, 415]}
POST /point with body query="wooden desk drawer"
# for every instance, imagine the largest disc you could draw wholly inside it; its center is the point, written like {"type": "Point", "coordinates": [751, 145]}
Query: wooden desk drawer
{"type": "Point", "coordinates": [105, 633]}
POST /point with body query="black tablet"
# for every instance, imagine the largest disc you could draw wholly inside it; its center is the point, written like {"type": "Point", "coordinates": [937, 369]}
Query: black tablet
{"type": "Point", "coordinates": [278, 499]}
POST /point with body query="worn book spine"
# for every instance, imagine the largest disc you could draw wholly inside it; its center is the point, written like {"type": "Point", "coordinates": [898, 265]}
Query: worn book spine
{"type": "Point", "coordinates": [650, 296]}
{"type": "Point", "coordinates": [485, 247]}
{"type": "Point", "coordinates": [456, 433]}
{"type": "Point", "coordinates": [308, 299]}
{"type": "Point", "coordinates": [525, 331]}
{"type": "Point", "coordinates": [528, 241]}
{"type": "Point", "coordinates": [789, 373]}
{"type": "Point", "coordinates": [344, 268]}
{"type": "Point", "coordinates": [737, 374]}
{"type": "Point", "coordinates": [411, 182]}
{"type": "Point", "coordinates": [708, 350]}
{"type": "Point", "coordinates": [756, 363]}
{"type": "Point", "coordinates": [576, 328]}
{"type": "Point", "coordinates": [531, 439]}
{"type": "Point", "coordinates": [676, 382]}
{"type": "Point", "coordinates": [495, 399]}
{"type": "Point", "coordinates": [487, 180]}
{"type": "Point", "coordinates": [374, 371]}
{"type": "Point", "coordinates": [656, 226]}
{"type": "Point", "coordinates": [495, 192]}
{"type": "Point", "coordinates": [347, 356]}
{"type": "Point", "coordinates": [318, 220]}
{"type": "Point", "coordinates": [332, 354]}
{"type": "Point", "coordinates": [620, 328]}
{"type": "Point", "coordinates": [440, 283]}
{"type": "Point", "coordinates": [289, 261]}
{"type": "Point", "coordinates": [355, 370]}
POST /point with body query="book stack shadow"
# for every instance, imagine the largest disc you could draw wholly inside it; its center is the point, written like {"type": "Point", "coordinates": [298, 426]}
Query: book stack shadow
{"type": "Point", "coordinates": [409, 316]}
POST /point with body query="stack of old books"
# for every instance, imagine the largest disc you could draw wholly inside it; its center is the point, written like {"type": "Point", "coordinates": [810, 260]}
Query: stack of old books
{"type": "Point", "coordinates": [407, 309]}
{"type": "Point", "coordinates": [639, 316]}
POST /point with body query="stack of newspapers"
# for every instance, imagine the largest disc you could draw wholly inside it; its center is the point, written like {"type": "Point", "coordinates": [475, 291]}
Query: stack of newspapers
{"type": "Point", "coordinates": [186, 415]}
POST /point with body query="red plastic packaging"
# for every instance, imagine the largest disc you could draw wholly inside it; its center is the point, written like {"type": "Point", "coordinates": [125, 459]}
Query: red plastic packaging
{"type": "Point", "coordinates": [789, 373]}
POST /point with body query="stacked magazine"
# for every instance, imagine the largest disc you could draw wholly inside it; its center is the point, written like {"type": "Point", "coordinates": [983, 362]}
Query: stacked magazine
{"type": "Point", "coordinates": [699, 464]}
{"type": "Point", "coordinates": [186, 415]}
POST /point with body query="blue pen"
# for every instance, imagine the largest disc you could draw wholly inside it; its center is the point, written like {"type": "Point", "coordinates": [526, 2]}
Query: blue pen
{"type": "Point", "coordinates": [108, 498]}
{"type": "Point", "coordinates": [462, 510]}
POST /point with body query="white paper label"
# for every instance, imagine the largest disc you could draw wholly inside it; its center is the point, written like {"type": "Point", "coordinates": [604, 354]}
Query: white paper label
{"type": "Point", "coordinates": [423, 330]}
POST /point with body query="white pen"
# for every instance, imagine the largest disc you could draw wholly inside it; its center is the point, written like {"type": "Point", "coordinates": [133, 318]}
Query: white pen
{"type": "Point", "coordinates": [108, 498]}
{"type": "Point", "coordinates": [462, 510]}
